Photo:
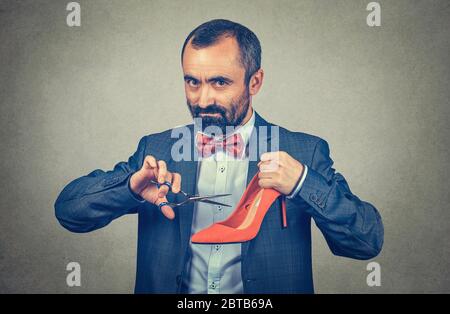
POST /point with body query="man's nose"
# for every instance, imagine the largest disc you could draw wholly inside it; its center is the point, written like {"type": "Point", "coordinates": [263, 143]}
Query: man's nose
{"type": "Point", "coordinates": [205, 97]}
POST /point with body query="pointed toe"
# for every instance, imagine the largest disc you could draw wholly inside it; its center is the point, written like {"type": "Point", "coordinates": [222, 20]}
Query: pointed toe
{"type": "Point", "coordinates": [216, 233]}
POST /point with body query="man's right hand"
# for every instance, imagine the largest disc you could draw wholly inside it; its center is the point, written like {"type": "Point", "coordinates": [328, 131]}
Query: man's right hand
{"type": "Point", "coordinates": [155, 170]}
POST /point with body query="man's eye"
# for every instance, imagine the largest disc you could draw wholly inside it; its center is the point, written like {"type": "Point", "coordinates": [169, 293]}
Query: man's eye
{"type": "Point", "coordinates": [221, 83]}
{"type": "Point", "coordinates": [192, 83]}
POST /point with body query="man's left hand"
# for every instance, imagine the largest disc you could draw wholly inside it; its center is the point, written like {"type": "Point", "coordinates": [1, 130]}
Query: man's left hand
{"type": "Point", "coordinates": [278, 170]}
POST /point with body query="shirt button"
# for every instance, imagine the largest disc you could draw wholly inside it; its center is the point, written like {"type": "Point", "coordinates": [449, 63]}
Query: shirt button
{"type": "Point", "coordinates": [219, 207]}
{"type": "Point", "coordinates": [217, 247]}
{"type": "Point", "coordinates": [222, 169]}
{"type": "Point", "coordinates": [212, 285]}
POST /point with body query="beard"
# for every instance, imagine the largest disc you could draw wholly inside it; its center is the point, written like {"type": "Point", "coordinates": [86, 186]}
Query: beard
{"type": "Point", "coordinates": [226, 117]}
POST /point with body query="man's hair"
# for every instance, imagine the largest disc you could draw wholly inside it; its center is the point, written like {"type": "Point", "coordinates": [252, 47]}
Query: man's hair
{"type": "Point", "coordinates": [209, 33]}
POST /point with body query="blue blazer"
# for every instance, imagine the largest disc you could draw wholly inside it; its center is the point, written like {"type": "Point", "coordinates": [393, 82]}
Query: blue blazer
{"type": "Point", "coordinates": [277, 260]}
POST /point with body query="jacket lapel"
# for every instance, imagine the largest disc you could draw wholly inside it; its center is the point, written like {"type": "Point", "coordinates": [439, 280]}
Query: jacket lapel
{"type": "Point", "coordinates": [188, 171]}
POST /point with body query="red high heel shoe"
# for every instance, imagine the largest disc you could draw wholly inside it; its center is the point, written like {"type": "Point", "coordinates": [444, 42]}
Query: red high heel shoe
{"type": "Point", "coordinates": [245, 221]}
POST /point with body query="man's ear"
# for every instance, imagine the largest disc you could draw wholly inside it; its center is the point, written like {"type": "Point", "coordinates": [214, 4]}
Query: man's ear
{"type": "Point", "coordinates": [256, 82]}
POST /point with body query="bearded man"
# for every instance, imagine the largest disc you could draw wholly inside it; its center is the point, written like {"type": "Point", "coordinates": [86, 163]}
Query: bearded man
{"type": "Point", "coordinates": [221, 63]}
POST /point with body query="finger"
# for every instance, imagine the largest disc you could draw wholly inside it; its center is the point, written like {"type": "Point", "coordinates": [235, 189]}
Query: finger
{"type": "Point", "coordinates": [150, 162]}
{"type": "Point", "coordinates": [162, 171]}
{"type": "Point", "coordinates": [166, 210]}
{"type": "Point", "coordinates": [265, 183]}
{"type": "Point", "coordinates": [270, 156]}
{"type": "Point", "coordinates": [164, 189]}
{"type": "Point", "coordinates": [266, 175]}
{"type": "Point", "coordinates": [269, 166]}
{"type": "Point", "coordinates": [278, 161]}
{"type": "Point", "coordinates": [273, 177]}
{"type": "Point", "coordinates": [176, 182]}
{"type": "Point", "coordinates": [262, 162]}
{"type": "Point", "coordinates": [150, 167]}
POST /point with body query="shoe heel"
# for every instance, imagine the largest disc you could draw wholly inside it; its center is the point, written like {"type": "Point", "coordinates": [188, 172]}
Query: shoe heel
{"type": "Point", "coordinates": [283, 210]}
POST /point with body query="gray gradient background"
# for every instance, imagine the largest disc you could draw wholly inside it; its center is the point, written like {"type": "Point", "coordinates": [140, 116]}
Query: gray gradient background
{"type": "Point", "coordinates": [77, 99]}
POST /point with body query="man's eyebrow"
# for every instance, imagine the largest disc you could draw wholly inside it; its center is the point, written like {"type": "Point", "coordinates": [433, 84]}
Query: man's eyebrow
{"type": "Point", "coordinates": [190, 77]}
{"type": "Point", "coordinates": [210, 80]}
{"type": "Point", "coordinates": [220, 78]}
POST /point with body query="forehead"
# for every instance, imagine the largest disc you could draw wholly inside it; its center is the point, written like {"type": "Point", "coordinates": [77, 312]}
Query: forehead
{"type": "Point", "coordinates": [220, 58]}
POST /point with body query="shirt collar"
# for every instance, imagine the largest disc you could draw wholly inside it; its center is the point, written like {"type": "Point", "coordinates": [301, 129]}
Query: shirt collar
{"type": "Point", "coordinates": [246, 129]}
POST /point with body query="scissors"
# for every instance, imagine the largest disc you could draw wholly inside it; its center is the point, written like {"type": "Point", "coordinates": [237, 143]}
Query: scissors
{"type": "Point", "coordinates": [189, 198]}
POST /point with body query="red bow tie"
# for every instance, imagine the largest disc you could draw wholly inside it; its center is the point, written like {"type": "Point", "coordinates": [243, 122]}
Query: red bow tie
{"type": "Point", "coordinates": [207, 145]}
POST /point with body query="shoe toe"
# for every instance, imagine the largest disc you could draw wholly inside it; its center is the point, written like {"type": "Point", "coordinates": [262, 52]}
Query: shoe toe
{"type": "Point", "coordinates": [216, 233]}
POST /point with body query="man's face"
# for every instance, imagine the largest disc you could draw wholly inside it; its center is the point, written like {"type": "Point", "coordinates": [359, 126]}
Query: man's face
{"type": "Point", "coordinates": [215, 84]}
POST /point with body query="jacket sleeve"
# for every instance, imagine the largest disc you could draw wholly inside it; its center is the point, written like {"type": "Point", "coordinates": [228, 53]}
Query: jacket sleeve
{"type": "Point", "coordinates": [351, 227]}
{"type": "Point", "coordinates": [93, 201]}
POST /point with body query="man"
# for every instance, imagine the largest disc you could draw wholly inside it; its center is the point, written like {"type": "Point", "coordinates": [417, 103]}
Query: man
{"type": "Point", "coordinates": [221, 62]}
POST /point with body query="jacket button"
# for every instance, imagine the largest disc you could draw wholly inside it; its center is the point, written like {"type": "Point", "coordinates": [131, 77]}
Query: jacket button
{"type": "Point", "coordinates": [313, 197]}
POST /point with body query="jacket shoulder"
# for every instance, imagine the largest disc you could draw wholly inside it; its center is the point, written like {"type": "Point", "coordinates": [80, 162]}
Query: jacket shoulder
{"type": "Point", "coordinates": [298, 136]}
{"type": "Point", "coordinates": [160, 144]}
{"type": "Point", "coordinates": [169, 134]}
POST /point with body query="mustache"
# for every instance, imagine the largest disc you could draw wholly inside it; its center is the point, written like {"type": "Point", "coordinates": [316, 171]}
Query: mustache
{"type": "Point", "coordinates": [213, 108]}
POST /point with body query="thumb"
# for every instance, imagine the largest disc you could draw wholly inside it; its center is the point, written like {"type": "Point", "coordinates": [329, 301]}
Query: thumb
{"type": "Point", "coordinates": [165, 209]}
{"type": "Point", "coordinates": [149, 170]}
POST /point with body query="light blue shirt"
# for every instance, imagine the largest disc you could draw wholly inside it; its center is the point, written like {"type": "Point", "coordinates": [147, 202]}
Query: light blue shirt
{"type": "Point", "coordinates": [217, 268]}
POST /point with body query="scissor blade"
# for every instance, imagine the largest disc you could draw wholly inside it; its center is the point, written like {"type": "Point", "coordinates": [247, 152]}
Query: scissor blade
{"type": "Point", "coordinates": [214, 203]}
{"type": "Point", "coordinates": [198, 198]}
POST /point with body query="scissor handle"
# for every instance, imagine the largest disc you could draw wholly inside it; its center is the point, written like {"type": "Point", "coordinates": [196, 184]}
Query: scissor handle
{"type": "Point", "coordinates": [168, 184]}
{"type": "Point", "coordinates": [160, 205]}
